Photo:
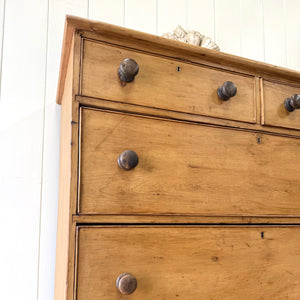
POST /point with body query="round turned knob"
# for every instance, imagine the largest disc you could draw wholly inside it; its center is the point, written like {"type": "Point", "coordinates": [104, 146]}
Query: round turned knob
{"type": "Point", "coordinates": [227, 90]}
{"type": "Point", "coordinates": [292, 103]}
{"type": "Point", "coordinates": [128, 160]}
{"type": "Point", "coordinates": [128, 70]}
{"type": "Point", "coordinates": [126, 283]}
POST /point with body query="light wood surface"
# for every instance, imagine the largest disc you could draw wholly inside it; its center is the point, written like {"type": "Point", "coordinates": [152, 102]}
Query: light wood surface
{"type": "Point", "coordinates": [65, 250]}
{"type": "Point", "coordinates": [95, 219]}
{"type": "Point", "coordinates": [173, 115]}
{"type": "Point", "coordinates": [190, 262]}
{"type": "Point", "coordinates": [201, 161]}
{"type": "Point", "coordinates": [30, 121]}
{"type": "Point", "coordinates": [192, 89]}
{"type": "Point", "coordinates": [159, 45]}
{"type": "Point", "coordinates": [63, 226]}
{"type": "Point", "coordinates": [275, 113]}
{"type": "Point", "coordinates": [184, 168]}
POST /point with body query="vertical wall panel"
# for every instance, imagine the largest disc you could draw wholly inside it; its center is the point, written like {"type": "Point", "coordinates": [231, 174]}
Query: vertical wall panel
{"type": "Point", "coordinates": [252, 37]}
{"type": "Point", "coordinates": [293, 33]}
{"type": "Point", "coordinates": [2, 15]}
{"type": "Point", "coordinates": [170, 14]}
{"type": "Point", "coordinates": [57, 11]}
{"type": "Point", "coordinates": [201, 16]}
{"type": "Point", "coordinates": [111, 11]}
{"type": "Point", "coordinates": [227, 14]}
{"type": "Point", "coordinates": [275, 32]}
{"type": "Point", "coordinates": [141, 15]}
{"type": "Point", "coordinates": [21, 131]}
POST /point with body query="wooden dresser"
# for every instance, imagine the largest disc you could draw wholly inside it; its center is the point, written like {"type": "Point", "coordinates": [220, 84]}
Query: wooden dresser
{"type": "Point", "coordinates": [180, 174]}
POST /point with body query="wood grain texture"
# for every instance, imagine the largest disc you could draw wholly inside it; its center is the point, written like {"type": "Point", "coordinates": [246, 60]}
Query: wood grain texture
{"type": "Point", "coordinates": [63, 226]}
{"type": "Point", "coordinates": [187, 173]}
{"type": "Point", "coordinates": [192, 89]}
{"type": "Point", "coordinates": [184, 169]}
{"type": "Point", "coordinates": [65, 250]}
{"type": "Point", "coordinates": [181, 219]}
{"type": "Point", "coordinates": [258, 99]}
{"type": "Point", "coordinates": [20, 148]}
{"type": "Point", "coordinates": [274, 111]}
{"type": "Point", "coordinates": [190, 262]}
{"type": "Point", "coordinates": [162, 46]}
{"type": "Point", "coordinates": [173, 115]}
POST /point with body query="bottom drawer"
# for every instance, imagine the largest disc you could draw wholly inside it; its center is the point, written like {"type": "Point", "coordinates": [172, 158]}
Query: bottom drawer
{"type": "Point", "coordinates": [184, 262]}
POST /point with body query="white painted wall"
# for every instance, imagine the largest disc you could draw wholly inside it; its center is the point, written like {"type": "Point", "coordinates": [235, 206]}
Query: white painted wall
{"type": "Point", "coordinates": [31, 34]}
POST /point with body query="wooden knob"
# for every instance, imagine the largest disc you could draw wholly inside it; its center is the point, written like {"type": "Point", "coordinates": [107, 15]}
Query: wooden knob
{"type": "Point", "coordinates": [227, 90]}
{"type": "Point", "coordinates": [292, 103]}
{"type": "Point", "coordinates": [126, 283]}
{"type": "Point", "coordinates": [128, 70]}
{"type": "Point", "coordinates": [128, 160]}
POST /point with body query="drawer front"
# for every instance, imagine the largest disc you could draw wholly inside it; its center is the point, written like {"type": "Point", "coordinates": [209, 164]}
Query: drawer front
{"type": "Point", "coordinates": [184, 168]}
{"type": "Point", "coordinates": [160, 84]}
{"type": "Point", "coordinates": [190, 262]}
{"type": "Point", "coordinates": [275, 113]}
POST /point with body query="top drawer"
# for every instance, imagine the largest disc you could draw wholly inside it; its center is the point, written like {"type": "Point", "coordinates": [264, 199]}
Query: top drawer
{"type": "Point", "coordinates": [275, 114]}
{"type": "Point", "coordinates": [165, 83]}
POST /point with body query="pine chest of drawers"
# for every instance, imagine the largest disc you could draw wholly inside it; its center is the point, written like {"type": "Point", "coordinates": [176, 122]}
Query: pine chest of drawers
{"type": "Point", "coordinates": [179, 171]}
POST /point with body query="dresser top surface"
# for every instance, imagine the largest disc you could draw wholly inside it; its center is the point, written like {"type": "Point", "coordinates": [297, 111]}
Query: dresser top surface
{"type": "Point", "coordinates": [161, 45]}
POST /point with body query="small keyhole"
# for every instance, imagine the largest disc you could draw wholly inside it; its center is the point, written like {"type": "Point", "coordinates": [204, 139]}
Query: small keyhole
{"type": "Point", "coordinates": [178, 69]}
{"type": "Point", "coordinates": [258, 140]}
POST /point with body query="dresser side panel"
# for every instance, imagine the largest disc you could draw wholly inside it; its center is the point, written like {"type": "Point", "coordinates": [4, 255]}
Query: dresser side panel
{"type": "Point", "coordinates": [63, 226]}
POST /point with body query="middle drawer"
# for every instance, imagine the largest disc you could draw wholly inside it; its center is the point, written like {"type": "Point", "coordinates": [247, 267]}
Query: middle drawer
{"type": "Point", "coordinates": [184, 168]}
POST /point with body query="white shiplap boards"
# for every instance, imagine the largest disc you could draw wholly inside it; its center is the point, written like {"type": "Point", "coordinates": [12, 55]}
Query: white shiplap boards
{"type": "Point", "coordinates": [293, 34]}
{"type": "Point", "coordinates": [31, 34]}
{"type": "Point", "coordinates": [252, 29]}
{"type": "Point", "coordinates": [145, 19]}
{"type": "Point", "coordinates": [170, 13]}
{"type": "Point", "coordinates": [2, 15]}
{"type": "Point", "coordinates": [274, 12]}
{"type": "Point", "coordinates": [201, 17]}
{"type": "Point", "coordinates": [227, 27]}
{"type": "Point", "coordinates": [111, 13]}
{"type": "Point", "coordinates": [21, 139]}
